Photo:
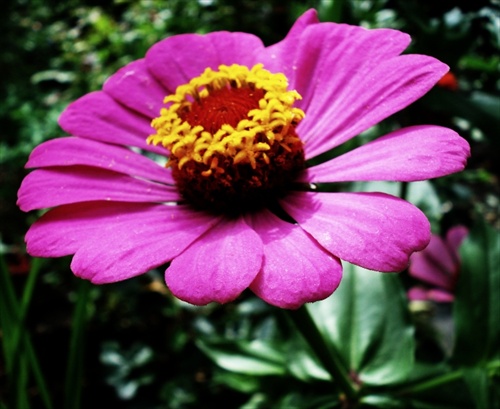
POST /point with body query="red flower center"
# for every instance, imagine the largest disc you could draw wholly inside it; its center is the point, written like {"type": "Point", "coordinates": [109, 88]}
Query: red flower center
{"type": "Point", "coordinates": [222, 106]}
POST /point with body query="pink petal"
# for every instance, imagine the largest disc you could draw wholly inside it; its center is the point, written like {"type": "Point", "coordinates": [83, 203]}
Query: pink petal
{"type": "Point", "coordinates": [296, 269]}
{"type": "Point", "coordinates": [440, 296]}
{"type": "Point", "coordinates": [407, 155]}
{"type": "Point", "coordinates": [455, 237]}
{"type": "Point", "coordinates": [282, 56]}
{"type": "Point", "coordinates": [99, 117]}
{"type": "Point", "coordinates": [54, 186]}
{"type": "Point", "coordinates": [177, 59]}
{"type": "Point", "coordinates": [417, 294]}
{"type": "Point", "coordinates": [63, 230]}
{"type": "Point", "coordinates": [136, 88]}
{"type": "Point", "coordinates": [434, 265]}
{"type": "Point", "coordinates": [309, 57]}
{"type": "Point", "coordinates": [373, 230]}
{"type": "Point", "coordinates": [422, 294]}
{"type": "Point", "coordinates": [66, 229]}
{"type": "Point", "coordinates": [343, 108]}
{"type": "Point", "coordinates": [218, 266]}
{"type": "Point", "coordinates": [125, 245]}
{"type": "Point", "coordinates": [79, 151]}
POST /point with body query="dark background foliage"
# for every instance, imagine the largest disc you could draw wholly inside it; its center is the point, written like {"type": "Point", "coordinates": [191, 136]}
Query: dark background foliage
{"type": "Point", "coordinates": [140, 345]}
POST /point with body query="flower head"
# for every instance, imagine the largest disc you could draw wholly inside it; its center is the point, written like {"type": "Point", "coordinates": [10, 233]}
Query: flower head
{"type": "Point", "coordinates": [437, 267]}
{"type": "Point", "coordinates": [235, 207]}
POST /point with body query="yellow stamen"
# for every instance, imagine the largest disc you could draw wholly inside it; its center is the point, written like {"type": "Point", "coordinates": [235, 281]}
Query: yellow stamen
{"type": "Point", "coordinates": [247, 141]}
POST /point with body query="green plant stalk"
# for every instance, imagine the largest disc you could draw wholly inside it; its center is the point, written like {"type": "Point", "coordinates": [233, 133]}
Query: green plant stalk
{"type": "Point", "coordinates": [21, 378]}
{"type": "Point", "coordinates": [8, 315]}
{"type": "Point", "coordinates": [18, 349]}
{"type": "Point", "coordinates": [327, 354]}
{"type": "Point", "coordinates": [74, 373]}
{"type": "Point", "coordinates": [37, 373]}
{"type": "Point", "coordinates": [18, 329]}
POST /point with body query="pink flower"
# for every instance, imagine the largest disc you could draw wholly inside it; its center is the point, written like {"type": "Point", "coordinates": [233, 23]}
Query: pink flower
{"type": "Point", "coordinates": [437, 266]}
{"type": "Point", "coordinates": [236, 207]}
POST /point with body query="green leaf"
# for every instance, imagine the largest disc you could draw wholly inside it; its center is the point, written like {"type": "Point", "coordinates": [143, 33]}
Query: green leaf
{"type": "Point", "coordinates": [251, 358]}
{"type": "Point", "coordinates": [302, 362]}
{"type": "Point", "coordinates": [383, 401]}
{"type": "Point", "coordinates": [477, 304]}
{"type": "Point", "coordinates": [367, 320]}
{"type": "Point", "coordinates": [240, 382]}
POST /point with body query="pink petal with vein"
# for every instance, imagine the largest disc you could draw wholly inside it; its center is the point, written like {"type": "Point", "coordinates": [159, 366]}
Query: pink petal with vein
{"type": "Point", "coordinates": [296, 269]}
{"type": "Point", "coordinates": [218, 266]}
{"type": "Point", "coordinates": [176, 60]}
{"type": "Point", "coordinates": [373, 230]}
{"type": "Point", "coordinates": [406, 155]}
{"type": "Point", "coordinates": [57, 186]}
{"type": "Point", "coordinates": [79, 151]}
{"type": "Point", "coordinates": [122, 247]}
{"type": "Point", "coordinates": [99, 117]}
{"type": "Point", "coordinates": [136, 88]}
{"type": "Point", "coordinates": [66, 229]}
{"type": "Point", "coordinates": [348, 108]}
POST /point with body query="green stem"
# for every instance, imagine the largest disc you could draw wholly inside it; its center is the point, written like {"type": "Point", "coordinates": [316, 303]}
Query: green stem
{"type": "Point", "coordinates": [22, 376]}
{"type": "Point", "coordinates": [18, 349]}
{"type": "Point", "coordinates": [74, 374]}
{"type": "Point", "coordinates": [432, 383]}
{"type": "Point", "coordinates": [326, 353]}
{"type": "Point", "coordinates": [8, 315]}
{"type": "Point", "coordinates": [25, 302]}
{"type": "Point", "coordinates": [37, 373]}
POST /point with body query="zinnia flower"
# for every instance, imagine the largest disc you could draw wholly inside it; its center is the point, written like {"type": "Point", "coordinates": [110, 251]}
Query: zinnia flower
{"type": "Point", "coordinates": [235, 206]}
{"type": "Point", "coordinates": [437, 267]}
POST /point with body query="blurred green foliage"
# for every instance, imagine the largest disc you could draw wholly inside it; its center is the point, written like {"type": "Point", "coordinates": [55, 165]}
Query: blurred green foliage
{"type": "Point", "coordinates": [145, 349]}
